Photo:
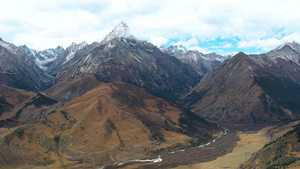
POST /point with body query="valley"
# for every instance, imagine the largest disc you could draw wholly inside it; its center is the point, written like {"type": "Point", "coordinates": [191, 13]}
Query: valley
{"type": "Point", "coordinates": [249, 143]}
{"type": "Point", "coordinates": [229, 151]}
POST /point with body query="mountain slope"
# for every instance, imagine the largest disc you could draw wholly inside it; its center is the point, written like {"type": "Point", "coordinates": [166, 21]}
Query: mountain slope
{"type": "Point", "coordinates": [18, 70]}
{"type": "Point", "coordinates": [132, 61]}
{"type": "Point", "coordinates": [21, 107]}
{"type": "Point", "coordinates": [281, 153]}
{"type": "Point", "coordinates": [248, 89]}
{"type": "Point", "coordinates": [114, 122]}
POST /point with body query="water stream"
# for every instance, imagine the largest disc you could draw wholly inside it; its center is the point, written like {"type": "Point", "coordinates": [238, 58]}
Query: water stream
{"type": "Point", "coordinates": [159, 159]}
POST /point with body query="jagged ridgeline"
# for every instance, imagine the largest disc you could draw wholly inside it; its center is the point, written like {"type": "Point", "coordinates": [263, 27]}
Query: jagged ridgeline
{"type": "Point", "coordinates": [122, 57]}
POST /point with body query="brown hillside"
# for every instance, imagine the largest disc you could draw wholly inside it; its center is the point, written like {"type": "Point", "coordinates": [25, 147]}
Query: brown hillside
{"type": "Point", "coordinates": [112, 123]}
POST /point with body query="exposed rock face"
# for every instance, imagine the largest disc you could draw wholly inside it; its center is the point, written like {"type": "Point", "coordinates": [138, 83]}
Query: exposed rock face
{"type": "Point", "coordinates": [248, 89]}
{"type": "Point", "coordinates": [18, 70]}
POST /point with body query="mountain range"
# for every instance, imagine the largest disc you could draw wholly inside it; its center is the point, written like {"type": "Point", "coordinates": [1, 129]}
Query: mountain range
{"type": "Point", "coordinates": [202, 63]}
{"type": "Point", "coordinates": [129, 60]}
{"type": "Point", "coordinates": [122, 99]}
{"type": "Point", "coordinates": [99, 106]}
{"type": "Point", "coordinates": [250, 88]}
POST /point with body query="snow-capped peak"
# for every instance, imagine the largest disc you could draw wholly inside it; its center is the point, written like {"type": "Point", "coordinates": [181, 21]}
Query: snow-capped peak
{"type": "Point", "coordinates": [120, 31]}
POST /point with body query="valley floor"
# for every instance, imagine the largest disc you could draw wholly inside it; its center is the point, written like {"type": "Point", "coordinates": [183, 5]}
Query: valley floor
{"type": "Point", "coordinates": [249, 143]}
{"type": "Point", "coordinates": [230, 151]}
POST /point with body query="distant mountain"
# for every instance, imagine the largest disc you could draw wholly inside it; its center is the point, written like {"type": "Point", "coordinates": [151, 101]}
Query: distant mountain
{"type": "Point", "coordinates": [64, 57]}
{"type": "Point", "coordinates": [287, 51]}
{"type": "Point", "coordinates": [202, 63]}
{"type": "Point", "coordinates": [113, 123]}
{"type": "Point", "coordinates": [17, 69]}
{"type": "Point", "coordinates": [121, 57]}
{"type": "Point", "coordinates": [43, 58]}
{"type": "Point", "coordinates": [281, 153]}
{"type": "Point", "coordinates": [249, 89]}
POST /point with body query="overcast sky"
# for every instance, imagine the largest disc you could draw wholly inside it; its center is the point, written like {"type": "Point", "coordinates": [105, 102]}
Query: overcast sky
{"type": "Point", "coordinates": [221, 26]}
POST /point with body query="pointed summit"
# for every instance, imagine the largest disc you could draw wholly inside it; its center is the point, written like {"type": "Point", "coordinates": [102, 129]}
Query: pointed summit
{"type": "Point", "coordinates": [120, 31]}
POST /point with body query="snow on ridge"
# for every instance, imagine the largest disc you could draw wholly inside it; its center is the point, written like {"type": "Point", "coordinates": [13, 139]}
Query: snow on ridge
{"type": "Point", "coordinates": [8, 46]}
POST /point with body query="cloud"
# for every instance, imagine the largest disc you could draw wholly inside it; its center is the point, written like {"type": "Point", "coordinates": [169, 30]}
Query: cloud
{"type": "Point", "coordinates": [48, 23]}
{"type": "Point", "coordinates": [228, 45]}
{"type": "Point", "coordinates": [269, 43]}
{"type": "Point", "coordinates": [187, 44]}
{"type": "Point", "coordinates": [158, 41]}
{"type": "Point", "coordinates": [202, 50]}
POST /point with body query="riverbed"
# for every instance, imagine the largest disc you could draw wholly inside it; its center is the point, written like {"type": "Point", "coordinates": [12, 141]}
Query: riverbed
{"type": "Point", "coordinates": [249, 143]}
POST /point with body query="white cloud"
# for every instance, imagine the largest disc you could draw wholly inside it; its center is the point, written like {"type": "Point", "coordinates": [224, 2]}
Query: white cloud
{"type": "Point", "coordinates": [269, 43]}
{"type": "Point", "coordinates": [228, 45]}
{"type": "Point", "coordinates": [48, 23]}
{"type": "Point", "coordinates": [202, 50]}
{"type": "Point", "coordinates": [158, 41]}
{"type": "Point", "coordinates": [187, 44]}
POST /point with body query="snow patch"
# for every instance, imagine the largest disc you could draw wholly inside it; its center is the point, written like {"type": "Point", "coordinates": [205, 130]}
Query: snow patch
{"type": "Point", "coordinates": [69, 57]}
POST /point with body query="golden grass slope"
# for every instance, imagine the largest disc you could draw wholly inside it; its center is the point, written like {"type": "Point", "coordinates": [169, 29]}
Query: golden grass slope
{"type": "Point", "coordinates": [284, 152]}
{"type": "Point", "coordinates": [112, 123]}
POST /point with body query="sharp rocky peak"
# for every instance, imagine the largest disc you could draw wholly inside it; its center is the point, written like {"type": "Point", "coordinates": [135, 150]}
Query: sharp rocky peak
{"type": "Point", "coordinates": [120, 31]}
